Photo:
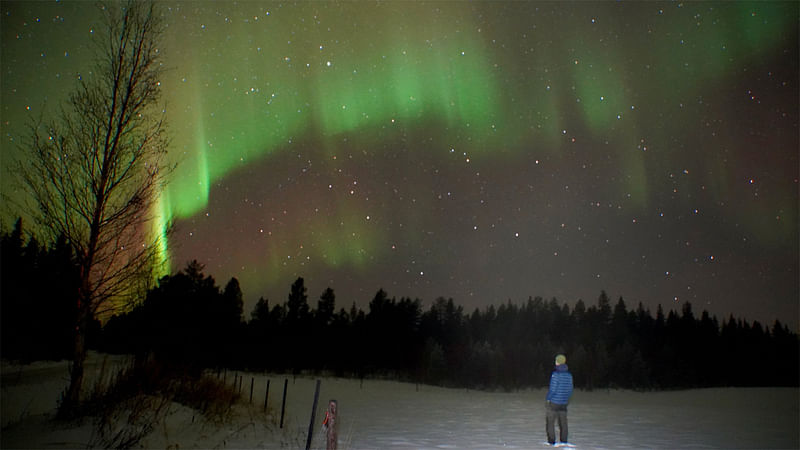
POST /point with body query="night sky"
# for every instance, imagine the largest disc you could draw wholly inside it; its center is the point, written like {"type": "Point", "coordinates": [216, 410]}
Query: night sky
{"type": "Point", "coordinates": [481, 151]}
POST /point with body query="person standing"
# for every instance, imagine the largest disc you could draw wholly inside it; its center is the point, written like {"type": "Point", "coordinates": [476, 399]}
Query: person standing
{"type": "Point", "coordinates": [557, 399]}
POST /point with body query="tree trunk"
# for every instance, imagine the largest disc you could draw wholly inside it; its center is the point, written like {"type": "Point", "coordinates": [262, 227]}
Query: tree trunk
{"type": "Point", "coordinates": [76, 371]}
{"type": "Point", "coordinates": [76, 374]}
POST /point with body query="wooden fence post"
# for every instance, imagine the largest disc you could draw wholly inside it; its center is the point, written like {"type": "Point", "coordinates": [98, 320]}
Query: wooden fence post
{"type": "Point", "coordinates": [331, 426]}
{"type": "Point", "coordinates": [266, 397]}
{"type": "Point", "coordinates": [283, 404]}
{"type": "Point", "coordinates": [313, 413]}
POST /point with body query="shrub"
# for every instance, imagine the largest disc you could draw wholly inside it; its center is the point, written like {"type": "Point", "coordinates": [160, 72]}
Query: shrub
{"type": "Point", "coordinates": [127, 406]}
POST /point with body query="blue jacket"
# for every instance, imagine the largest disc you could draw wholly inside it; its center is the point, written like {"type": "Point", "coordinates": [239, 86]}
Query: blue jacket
{"type": "Point", "coordinates": [560, 385]}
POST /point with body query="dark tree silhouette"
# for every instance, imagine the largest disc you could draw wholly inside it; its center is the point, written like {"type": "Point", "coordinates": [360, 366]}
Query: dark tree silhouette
{"type": "Point", "coordinates": [186, 320]}
{"type": "Point", "coordinates": [37, 297]}
{"type": "Point", "coordinates": [510, 346]}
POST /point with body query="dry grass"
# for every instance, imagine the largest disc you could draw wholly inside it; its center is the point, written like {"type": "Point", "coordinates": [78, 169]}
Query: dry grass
{"type": "Point", "coordinates": [130, 404]}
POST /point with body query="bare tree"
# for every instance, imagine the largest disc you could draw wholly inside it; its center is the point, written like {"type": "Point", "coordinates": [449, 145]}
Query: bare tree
{"type": "Point", "coordinates": [94, 173]}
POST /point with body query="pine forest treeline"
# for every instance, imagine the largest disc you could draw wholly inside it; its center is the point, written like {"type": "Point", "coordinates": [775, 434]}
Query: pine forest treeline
{"type": "Point", "coordinates": [187, 319]}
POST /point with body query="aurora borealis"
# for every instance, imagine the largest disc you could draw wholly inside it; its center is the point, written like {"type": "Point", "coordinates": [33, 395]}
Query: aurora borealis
{"type": "Point", "coordinates": [482, 151]}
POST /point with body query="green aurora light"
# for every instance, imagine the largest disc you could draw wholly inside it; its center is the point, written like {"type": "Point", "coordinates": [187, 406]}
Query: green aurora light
{"type": "Point", "coordinates": [249, 81]}
{"type": "Point", "coordinates": [451, 90]}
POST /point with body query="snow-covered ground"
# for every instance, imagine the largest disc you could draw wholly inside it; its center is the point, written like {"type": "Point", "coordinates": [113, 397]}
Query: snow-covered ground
{"type": "Point", "coordinates": [377, 414]}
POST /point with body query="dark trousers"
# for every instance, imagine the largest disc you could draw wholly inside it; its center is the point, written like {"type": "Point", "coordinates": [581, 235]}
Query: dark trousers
{"type": "Point", "coordinates": [556, 413]}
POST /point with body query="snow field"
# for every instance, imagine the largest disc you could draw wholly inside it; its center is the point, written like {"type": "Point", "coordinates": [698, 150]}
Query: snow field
{"type": "Point", "coordinates": [379, 414]}
{"type": "Point", "coordinates": [385, 414]}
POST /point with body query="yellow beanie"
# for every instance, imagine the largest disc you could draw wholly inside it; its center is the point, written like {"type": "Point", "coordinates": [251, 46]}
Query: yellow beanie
{"type": "Point", "coordinates": [560, 359]}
